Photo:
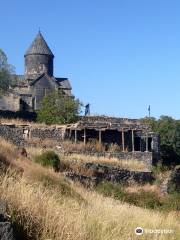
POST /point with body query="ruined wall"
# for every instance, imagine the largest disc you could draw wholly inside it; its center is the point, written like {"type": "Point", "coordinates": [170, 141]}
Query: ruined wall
{"type": "Point", "coordinates": [12, 133]}
{"type": "Point", "coordinates": [30, 116]}
{"type": "Point", "coordinates": [10, 102]}
{"type": "Point", "coordinates": [110, 174]}
{"type": "Point", "coordinates": [145, 157]}
{"type": "Point", "coordinates": [22, 135]}
{"type": "Point", "coordinates": [156, 148]}
{"type": "Point", "coordinates": [47, 133]}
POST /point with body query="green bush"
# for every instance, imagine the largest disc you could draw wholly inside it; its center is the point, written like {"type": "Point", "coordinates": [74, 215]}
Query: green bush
{"type": "Point", "coordinates": [48, 158]}
{"type": "Point", "coordinates": [145, 199]}
{"type": "Point", "coordinates": [142, 198]}
{"type": "Point", "coordinates": [109, 189]}
{"type": "Point", "coordinates": [159, 168]}
{"type": "Point", "coordinates": [171, 202]}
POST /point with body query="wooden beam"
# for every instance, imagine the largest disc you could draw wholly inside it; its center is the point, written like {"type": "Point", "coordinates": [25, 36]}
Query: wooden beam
{"type": "Point", "coordinates": [75, 132]}
{"type": "Point", "coordinates": [123, 140]}
{"type": "Point", "coordinates": [132, 140]}
{"type": "Point", "coordinates": [100, 136]}
{"type": "Point", "coordinates": [146, 142]}
{"type": "Point", "coordinates": [84, 136]}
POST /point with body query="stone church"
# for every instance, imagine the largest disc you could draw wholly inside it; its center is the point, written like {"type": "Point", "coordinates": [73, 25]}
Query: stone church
{"type": "Point", "coordinates": [37, 81]}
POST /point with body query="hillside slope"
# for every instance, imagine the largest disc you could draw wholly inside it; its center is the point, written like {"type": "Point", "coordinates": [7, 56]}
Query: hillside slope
{"type": "Point", "coordinates": [44, 205]}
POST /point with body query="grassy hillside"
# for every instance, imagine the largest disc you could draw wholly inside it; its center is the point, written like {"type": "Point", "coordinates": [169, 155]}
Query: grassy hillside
{"type": "Point", "coordinates": [44, 205]}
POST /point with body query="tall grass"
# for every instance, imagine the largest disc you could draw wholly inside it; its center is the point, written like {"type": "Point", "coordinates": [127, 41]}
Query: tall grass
{"type": "Point", "coordinates": [44, 214]}
{"type": "Point", "coordinates": [130, 164]}
{"type": "Point", "coordinates": [44, 205]}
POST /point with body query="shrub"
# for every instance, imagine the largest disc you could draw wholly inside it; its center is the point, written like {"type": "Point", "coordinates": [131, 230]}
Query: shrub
{"type": "Point", "coordinates": [159, 168]}
{"type": "Point", "coordinates": [48, 158]}
{"type": "Point", "coordinates": [171, 202]}
{"type": "Point", "coordinates": [145, 199]}
{"type": "Point", "coordinates": [109, 189]}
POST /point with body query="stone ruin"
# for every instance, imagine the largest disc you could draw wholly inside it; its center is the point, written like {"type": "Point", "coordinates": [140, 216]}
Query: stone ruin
{"type": "Point", "coordinates": [134, 139]}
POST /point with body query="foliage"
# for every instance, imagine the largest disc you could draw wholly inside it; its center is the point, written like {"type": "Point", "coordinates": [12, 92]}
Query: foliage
{"type": "Point", "coordinates": [159, 168]}
{"type": "Point", "coordinates": [142, 198]}
{"type": "Point", "coordinates": [171, 202]}
{"type": "Point", "coordinates": [109, 189]}
{"type": "Point", "coordinates": [5, 73]}
{"type": "Point", "coordinates": [57, 108]}
{"type": "Point", "coordinates": [169, 131]}
{"type": "Point", "coordinates": [48, 158]}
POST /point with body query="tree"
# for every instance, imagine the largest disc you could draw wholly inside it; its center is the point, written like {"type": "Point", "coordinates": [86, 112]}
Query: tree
{"type": "Point", "coordinates": [58, 108]}
{"type": "Point", "coordinates": [5, 73]}
{"type": "Point", "coordinates": [169, 131]}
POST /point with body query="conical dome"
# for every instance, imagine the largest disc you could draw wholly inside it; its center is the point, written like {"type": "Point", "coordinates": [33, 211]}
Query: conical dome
{"type": "Point", "coordinates": [39, 46]}
{"type": "Point", "coordinates": [38, 58]}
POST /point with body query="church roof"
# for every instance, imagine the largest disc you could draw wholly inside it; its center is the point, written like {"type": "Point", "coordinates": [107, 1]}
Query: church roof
{"type": "Point", "coordinates": [39, 46]}
{"type": "Point", "coordinates": [64, 83]}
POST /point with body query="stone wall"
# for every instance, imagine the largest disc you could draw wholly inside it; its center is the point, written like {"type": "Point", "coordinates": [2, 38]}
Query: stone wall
{"type": "Point", "coordinates": [47, 133]}
{"type": "Point", "coordinates": [30, 116]}
{"type": "Point", "coordinates": [111, 174]}
{"type": "Point", "coordinates": [13, 133]}
{"type": "Point", "coordinates": [22, 135]}
{"type": "Point", "coordinates": [10, 102]}
{"type": "Point", "coordinates": [145, 157]}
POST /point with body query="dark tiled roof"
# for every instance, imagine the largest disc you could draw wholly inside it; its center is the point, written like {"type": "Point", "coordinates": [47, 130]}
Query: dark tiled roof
{"type": "Point", "coordinates": [64, 83]}
{"type": "Point", "coordinates": [39, 46]}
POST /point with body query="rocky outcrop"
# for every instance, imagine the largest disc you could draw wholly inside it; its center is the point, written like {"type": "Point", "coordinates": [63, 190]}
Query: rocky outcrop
{"type": "Point", "coordinates": [6, 230]}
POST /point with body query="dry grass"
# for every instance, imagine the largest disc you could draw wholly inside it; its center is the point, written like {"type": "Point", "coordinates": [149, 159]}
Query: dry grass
{"type": "Point", "coordinates": [147, 188]}
{"type": "Point", "coordinates": [130, 164]}
{"type": "Point", "coordinates": [47, 212]}
{"type": "Point", "coordinates": [34, 151]}
{"type": "Point", "coordinates": [74, 161]}
{"type": "Point", "coordinates": [8, 150]}
{"type": "Point", "coordinates": [18, 121]}
{"type": "Point", "coordinates": [47, 217]}
{"type": "Point", "coordinates": [93, 146]}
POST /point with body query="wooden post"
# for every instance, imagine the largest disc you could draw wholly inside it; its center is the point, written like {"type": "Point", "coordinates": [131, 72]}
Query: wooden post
{"type": "Point", "coordinates": [84, 136]}
{"type": "Point", "coordinates": [132, 140]}
{"type": "Point", "coordinates": [146, 142]}
{"type": "Point", "coordinates": [123, 140]}
{"type": "Point", "coordinates": [100, 137]}
{"type": "Point", "coordinates": [75, 136]}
